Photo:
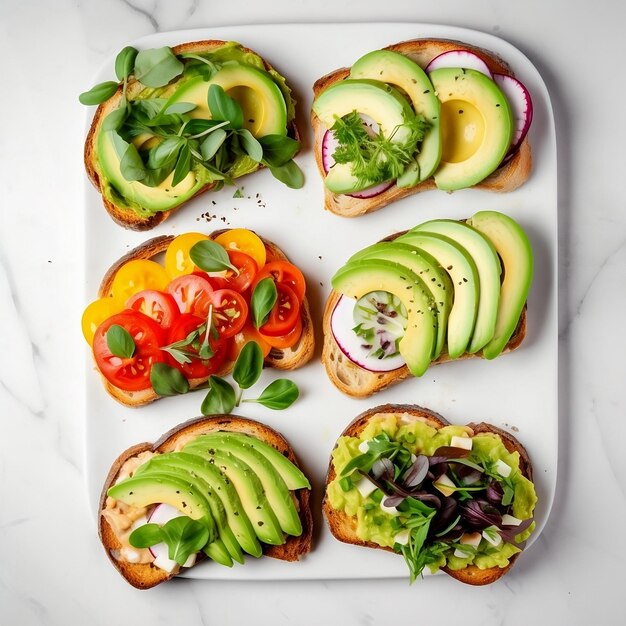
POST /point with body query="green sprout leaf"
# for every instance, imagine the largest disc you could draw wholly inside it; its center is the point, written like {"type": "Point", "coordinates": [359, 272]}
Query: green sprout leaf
{"type": "Point", "coordinates": [251, 145]}
{"type": "Point", "coordinates": [157, 67]}
{"type": "Point", "coordinates": [116, 118]}
{"type": "Point", "coordinates": [183, 165]}
{"type": "Point", "coordinates": [223, 107]}
{"type": "Point", "coordinates": [210, 257]}
{"type": "Point", "coordinates": [210, 146]}
{"type": "Point", "coordinates": [184, 536]}
{"type": "Point", "coordinates": [145, 536]}
{"type": "Point", "coordinates": [98, 93]}
{"type": "Point", "coordinates": [220, 398]}
{"type": "Point", "coordinates": [279, 395]}
{"type": "Point", "coordinates": [289, 174]}
{"type": "Point", "coordinates": [263, 299]}
{"type": "Point", "coordinates": [131, 165]}
{"type": "Point", "coordinates": [167, 380]}
{"type": "Point", "coordinates": [125, 62]}
{"type": "Point", "coordinates": [249, 365]}
{"type": "Point", "coordinates": [278, 149]}
{"type": "Point", "coordinates": [120, 342]}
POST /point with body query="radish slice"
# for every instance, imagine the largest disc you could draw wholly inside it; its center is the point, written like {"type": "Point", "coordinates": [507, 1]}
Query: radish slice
{"type": "Point", "coordinates": [521, 106]}
{"type": "Point", "coordinates": [459, 58]}
{"type": "Point", "coordinates": [161, 514]}
{"type": "Point", "coordinates": [342, 323]}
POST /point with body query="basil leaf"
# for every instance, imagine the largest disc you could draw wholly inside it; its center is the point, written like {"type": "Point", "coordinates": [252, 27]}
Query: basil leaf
{"type": "Point", "coordinates": [210, 256]}
{"type": "Point", "coordinates": [249, 365]}
{"type": "Point", "coordinates": [131, 164]}
{"type": "Point", "coordinates": [120, 342]}
{"type": "Point", "coordinates": [167, 380]}
{"type": "Point", "coordinates": [179, 108]}
{"type": "Point", "coordinates": [145, 536]}
{"type": "Point", "coordinates": [157, 67]}
{"type": "Point", "coordinates": [212, 143]}
{"type": "Point", "coordinates": [184, 536]}
{"type": "Point", "coordinates": [124, 62]}
{"type": "Point", "coordinates": [223, 107]}
{"type": "Point", "coordinates": [220, 399]}
{"type": "Point", "coordinates": [166, 152]}
{"type": "Point", "coordinates": [280, 394]}
{"type": "Point", "coordinates": [278, 149]}
{"type": "Point", "coordinates": [183, 165]}
{"type": "Point", "coordinates": [116, 118]}
{"type": "Point", "coordinates": [251, 145]}
{"type": "Point", "coordinates": [289, 174]}
{"type": "Point", "coordinates": [98, 93]}
{"type": "Point", "coordinates": [263, 299]}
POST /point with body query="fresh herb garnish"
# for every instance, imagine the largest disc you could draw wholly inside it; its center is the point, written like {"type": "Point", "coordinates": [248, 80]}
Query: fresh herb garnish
{"type": "Point", "coordinates": [211, 257]}
{"type": "Point", "coordinates": [167, 380]}
{"type": "Point", "coordinates": [278, 395]}
{"type": "Point", "coordinates": [264, 297]}
{"type": "Point", "coordinates": [249, 365]}
{"type": "Point", "coordinates": [120, 342]}
{"type": "Point", "coordinates": [220, 398]}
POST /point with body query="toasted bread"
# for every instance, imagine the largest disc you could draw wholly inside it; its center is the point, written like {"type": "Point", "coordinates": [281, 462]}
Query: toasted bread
{"type": "Point", "coordinates": [285, 359]}
{"type": "Point", "coordinates": [124, 215]}
{"type": "Point", "coordinates": [146, 575]}
{"type": "Point", "coordinates": [344, 527]}
{"type": "Point", "coordinates": [511, 174]}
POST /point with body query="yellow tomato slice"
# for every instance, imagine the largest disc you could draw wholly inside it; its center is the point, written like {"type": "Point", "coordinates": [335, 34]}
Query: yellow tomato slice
{"type": "Point", "coordinates": [96, 312]}
{"type": "Point", "coordinates": [245, 241]}
{"type": "Point", "coordinates": [136, 276]}
{"type": "Point", "coordinates": [177, 259]}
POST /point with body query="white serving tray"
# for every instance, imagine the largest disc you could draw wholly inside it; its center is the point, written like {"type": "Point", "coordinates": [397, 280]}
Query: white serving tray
{"type": "Point", "coordinates": [517, 392]}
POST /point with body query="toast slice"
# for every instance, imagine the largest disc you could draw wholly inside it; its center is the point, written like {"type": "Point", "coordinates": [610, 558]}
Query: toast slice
{"type": "Point", "coordinates": [121, 214]}
{"type": "Point", "coordinates": [511, 174]}
{"type": "Point", "coordinates": [344, 527]}
{"type": "Point", "coordinates": [146, 575]}
{"type": "Point", "coordinates": [285, 359]}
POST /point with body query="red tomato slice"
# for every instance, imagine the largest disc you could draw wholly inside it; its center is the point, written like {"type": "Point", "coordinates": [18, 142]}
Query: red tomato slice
{"type": "Point", "coordinates": [217, 282]}
{"type": "Point", "coordinates": [284, 315]}
{"type": "Point", "coordinates": [192, 293]}
{"type": "Point", "coordinates": [288, 340]}
{"type": "Point", "coordinates": [247, 267]}
{"type": "Point", "coordinates": [132, 373]}
{"type": "Point", "coordinates": [197, 368]}
{"type": "Point", "coordinates": [230, 312]}
{"type": "Point", "coordinates": [160, 306]}
{"type": "Point", "coordinates": [284, 272]}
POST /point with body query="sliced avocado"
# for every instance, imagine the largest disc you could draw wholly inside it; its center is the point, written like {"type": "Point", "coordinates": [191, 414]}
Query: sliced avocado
{"type": "Point", "coordinates": [427, 268]}
{"type": "Point", "coordinates": [380, 102]}
{"type": "Point", "coordinates": [234, 526]}
{"type": "Point", "coordinates": [487, 262]}
{"type": "Point", "coordinates": [513, 246]}
{"type": "Point", "coordinates": [476, 123]}
{"type": "Point", "coordinates": [263, 104]}
{"type": "Point", "coordinates": [278, 495]}
{"type": "Point", "coordinates": [362, 277]}
{"type": "Point", "coordinates": [292, 475]}
{"type": "Point", "coordinates": [464, 275]}
{"type": "Point", "coordinates": [396, 69]}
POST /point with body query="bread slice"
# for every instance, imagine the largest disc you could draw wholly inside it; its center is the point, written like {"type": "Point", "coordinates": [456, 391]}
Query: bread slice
{"type": "Point", "coordinates": [286, 359]}
{"type": "Point", "coordinates": [510, 175]}
{"type": "Point", "coordinates": [123, 215]}
{"type": "Point", "coordinates": [146, 575]}
{"type": "Point", "coordinates": [344, 527]}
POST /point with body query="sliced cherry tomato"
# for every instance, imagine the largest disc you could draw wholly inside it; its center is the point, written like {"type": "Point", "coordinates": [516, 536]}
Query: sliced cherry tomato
{"type": "Point", "coordinates": [197, 368]}
{"type": "Point", "coordinates": [247, 267]}
{"type": "Point", "coordinates": [288, 340]}
{"type": "Point", "coordinates": [158, 305]}
{"type": "Point", "coordinates": [177, 259]}
{"type": "Point", "coordinates": [246, 334]}
{"type": "Point", "coordinates": [192, 294]}
{"type": "Point", "coordinates": [246, 241]}
{"type": "Point", "coordinates": [131, 373]}
{"type": "Point", "coordinates": [284, 315]}
{"type": "Point", "coordinates": [284, 272]}
{"type": "Point", "coordinates": [230, 312]}
{"type": "Point", "coordinates": [217, 282]}
{"type": "Point", "coordinates": [96, 312]}
{"type": "Point", "coordinates": [137, 275]}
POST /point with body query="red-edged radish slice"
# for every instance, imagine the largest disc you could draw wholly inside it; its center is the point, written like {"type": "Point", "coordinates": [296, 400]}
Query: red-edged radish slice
{"type": "Point", "coordinates": [459, 58]}
{"type": "Point", "coordinates": [521, 107]}
{"type": "Point", "coordinates": [342, 323]}
{"type": "Point", "coordinates": [161, 514]}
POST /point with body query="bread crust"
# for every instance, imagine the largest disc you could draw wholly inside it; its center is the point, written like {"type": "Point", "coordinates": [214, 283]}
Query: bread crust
{"type": "Point", "coordinates": [509, 176]}
{"type": "Point", "coordinates": [285, 359]}
{"type": "Point", "coordinates": [146, 575]}
{"type": "Point", "coordinates": [125, 216]}
{"type": "Point", "coordinates": [343, 527]}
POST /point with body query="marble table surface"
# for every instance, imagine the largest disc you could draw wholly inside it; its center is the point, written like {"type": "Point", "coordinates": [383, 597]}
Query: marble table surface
{"type": "Point", "coordinates": [52, 567]}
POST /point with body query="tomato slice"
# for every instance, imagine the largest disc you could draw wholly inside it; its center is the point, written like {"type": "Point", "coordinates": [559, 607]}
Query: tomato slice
{"type": "Point", "coordinates": [177, 259]}
{"type": "Point", "coordinates": [192, 294]}
{"type": "Point", "coordinates": [96, 312]}
{"type": "Point", "coordinates": [132, 373]}
{"type": "Point", "coordinates": [285, 341]}
{"type": "Point", "coordinates": [246, 334]}
{"type": "Point", "coordinates": [245, 241]}
{"type": "Point", "coordinates": [137, 275]}
{"type": "Point", "coordinates": [230, 311]}
{"type": "Point", "coordinates": [247, 267]}
{"type": "Point", "coordinates": [158, 305]}
{"type": "Point", "coordinates": [284, 272]}
{"type": "Point", "coordinates": [197, 368]}
{"type": "Point", "coordinates": [284, 315]}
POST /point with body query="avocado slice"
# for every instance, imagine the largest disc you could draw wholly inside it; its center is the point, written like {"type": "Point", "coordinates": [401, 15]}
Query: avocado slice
{"type": "Point", "coordinates": [477, 127]}
{"type": "Point", "coordinates": [234, 526]}
{"type": "Point", "coordinates": [515, 251]}
{"type": "Point", "coordinates": [464, 275]}
{"type": "Point", "coordinates": [358, 278]}
{"type": "Point", "coordinates": [278, 495]}
{"type": "Point", "coordinates": [399, 70]}
{"type": "Point", "coordinates": [382, 103]}
{"type": "Point", "coordinates": [427, 268]}
{"type": "Point", "coordinates": [488, 265]}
